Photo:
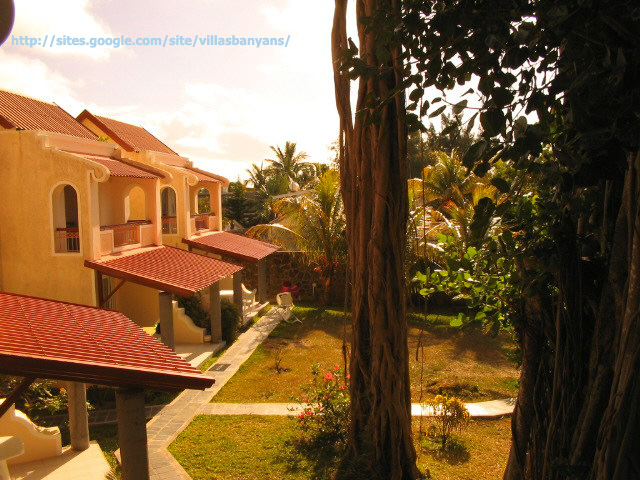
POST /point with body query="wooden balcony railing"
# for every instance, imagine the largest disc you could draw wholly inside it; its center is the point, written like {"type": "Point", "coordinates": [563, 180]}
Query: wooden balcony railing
{"type": "Point", "coordinates": [67, 240]}
{"type": "Point", "coordinates": [126, 233]}
{"type": "Point", "coordinates": [202, 221]}
{"type": "Point", "coordinates": [169, 225]}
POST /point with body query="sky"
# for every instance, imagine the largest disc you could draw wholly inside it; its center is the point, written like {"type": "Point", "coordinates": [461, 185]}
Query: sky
{"type": "Point", "coordinates": [220, 106]}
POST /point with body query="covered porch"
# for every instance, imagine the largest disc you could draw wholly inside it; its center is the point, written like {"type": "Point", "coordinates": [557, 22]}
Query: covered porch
{"type": "Point", "coordinates": [77, 344]}
{"type": "Point", "coordinates": [169, 271]}
{"type": "Point", "coordinates": [238, 248]}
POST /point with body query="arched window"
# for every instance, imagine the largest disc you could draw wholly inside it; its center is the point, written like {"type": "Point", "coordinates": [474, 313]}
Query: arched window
{"type": "Point", "coordinates": [204, 201]}
{"type": "Point", "coordinates": [65, 219]}
{"type": "Point", "coordinates": [169, 215]}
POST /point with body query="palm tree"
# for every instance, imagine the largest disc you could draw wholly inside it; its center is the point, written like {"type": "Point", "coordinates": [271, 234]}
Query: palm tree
{"type": "Point", "coordinates": [258, 176]}
{"type": "Point", "coordinates": [288, 162]}
{"type": "Point", "coordinates": [314, 224]}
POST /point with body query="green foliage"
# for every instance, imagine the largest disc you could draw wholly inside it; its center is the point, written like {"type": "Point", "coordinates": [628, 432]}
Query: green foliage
{"type": "Point", "coordinates": [314, 224]}
{"type": "Point", "coordinates": [231, 320]}
{"type": "Point", "coordinates": [449, 414]}
{"type": "Point", "coordinates": [194, 309]}
{"type": "Point", "coordinates": [325, 415]}
{"type": "Point", "coordinates": [289, 163]}
{"type": "Point", "coordinates": [40, 399]}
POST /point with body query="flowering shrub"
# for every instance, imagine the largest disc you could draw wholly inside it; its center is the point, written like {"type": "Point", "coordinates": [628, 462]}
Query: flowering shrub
{"type": "Point", "coordinates": [325, 414]}
{"type": "Point", "coordinates": [449, 413]}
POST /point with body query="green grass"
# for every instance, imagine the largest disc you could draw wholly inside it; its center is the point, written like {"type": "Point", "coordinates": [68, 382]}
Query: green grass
{"type": "Point", "coordinates": [247, 448]}
{"type": "Point", "coordinates": [257, 448]}
{"type": "Point", "coordinates": [461, 362]}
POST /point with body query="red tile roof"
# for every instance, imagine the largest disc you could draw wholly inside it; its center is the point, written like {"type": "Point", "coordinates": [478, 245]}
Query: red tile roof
{"type": "Point", "coordinates": [232, 245]}
{"type": "Point", "coordinates": [129, 137]}
{"type": "Point", "coordinates": [24, 113]}
{"type": "Point", "coordinates": [165, 268]}
{"type": "Point", "coordinates": [202, 175]}
{"type": "Point", "coordinates": [118, 168]}
{"type": "Point", "coordinates": [49, 339]}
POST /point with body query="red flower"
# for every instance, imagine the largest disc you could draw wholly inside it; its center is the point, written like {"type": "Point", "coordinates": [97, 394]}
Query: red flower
{"type": "Point", "coordinates": [336, 368]}
{"type": "Point", "coordinates": [343, 387]}
{"type": "Point", "coordinates": [329, 376]}
{"type": "Point", "coordinates": [348, 375]}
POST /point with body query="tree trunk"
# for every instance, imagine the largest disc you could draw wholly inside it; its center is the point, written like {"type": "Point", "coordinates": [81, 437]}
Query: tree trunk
{"type": "Point", "coordinates": [374, 185]}
{"type": "Point", "coordinates": [581, 419]}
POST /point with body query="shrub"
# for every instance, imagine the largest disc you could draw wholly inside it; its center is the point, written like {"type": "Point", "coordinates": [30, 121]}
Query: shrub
{"type": "Point", "coordinates": [231, 320]}
{"type": "Point", "coordinates": [449, 413]}
{"type": "Point", "coordinates": [194, 309]}
{"type": "Point", "coordinates": [42, 398]}
{"type": "Point", "coordinates": [325, 415]}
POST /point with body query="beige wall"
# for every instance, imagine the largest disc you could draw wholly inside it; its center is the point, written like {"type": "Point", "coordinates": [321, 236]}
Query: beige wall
{"type": "Point", "coordinates": [137, 302]}
{"type": "Point", "coordinates": [28, 176]}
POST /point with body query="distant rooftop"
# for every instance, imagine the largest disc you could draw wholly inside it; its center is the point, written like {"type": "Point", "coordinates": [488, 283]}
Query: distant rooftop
{"type": "Point", "coordinates": [24, 113]}
{"type": "Point", "coordinates": [129, 137]}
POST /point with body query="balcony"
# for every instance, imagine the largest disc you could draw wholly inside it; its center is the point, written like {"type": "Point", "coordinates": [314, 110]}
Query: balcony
{"type": "Point", "coordinates": [169, 225]}
{"type": "Point", "coordinates": [124, 236]}
{"type": "Point", "coordinates": [203, 221]}
{"type": "Point", "coordinates": [67, 240]}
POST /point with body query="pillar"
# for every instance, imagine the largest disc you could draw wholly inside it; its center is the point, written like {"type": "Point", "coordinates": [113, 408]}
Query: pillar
{"type": "Point", "coordinates": [78, 416]}
{"type": "Point", "coordinates": [166, 319]}
{"type": "Point", "coordinates": [237, 289]}
{"type": "Point", "coordinates": [262, 280]}
{"type": "Point", "coordinates": [215, 314]}
{"type": "Point", "coordinates": [132, 433]}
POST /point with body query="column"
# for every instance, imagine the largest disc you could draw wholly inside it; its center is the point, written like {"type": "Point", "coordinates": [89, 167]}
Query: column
{"type": "Point", "coordinates": [132, 433]}
{"type": "Point", "coordinates": [262, 280]}
{"type": "Point", "coordinates": [215, 314]}
{"type": "Point", "coordinates": [78, 417]}
{"type": "Point", "coordinates": [166, 319]}
{"type": "Point", "coordinates": [237, 289]}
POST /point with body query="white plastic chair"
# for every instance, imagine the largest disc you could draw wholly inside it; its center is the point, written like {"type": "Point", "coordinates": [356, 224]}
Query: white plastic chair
{"type": "Point", "coordinates": [285, 304]}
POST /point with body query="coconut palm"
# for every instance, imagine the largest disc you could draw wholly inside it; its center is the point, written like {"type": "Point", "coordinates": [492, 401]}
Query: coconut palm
{"type": "Point", "coordinates": [258, 175]}
{"type": "Point", "coordinates": [288, 162]}
{"type": "Point", "coordinates": [314, 224]}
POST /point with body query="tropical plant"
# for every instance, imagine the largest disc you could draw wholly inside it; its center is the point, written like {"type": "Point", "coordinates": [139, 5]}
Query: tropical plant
{"type": "Point", "coordinates": [258, 176]}
{"type": "Point", "coordinates": [288, 162]}
{"type": "Point", "coordinates": [449, 413]}
{"type": "Point", "coordinates": [313, 223]}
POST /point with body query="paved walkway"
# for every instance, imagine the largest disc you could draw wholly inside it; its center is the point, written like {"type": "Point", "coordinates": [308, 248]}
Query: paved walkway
{"type": "Point", "coordinates": [172, 419]}
{"type": "Point", "coordinates": [494, 408]}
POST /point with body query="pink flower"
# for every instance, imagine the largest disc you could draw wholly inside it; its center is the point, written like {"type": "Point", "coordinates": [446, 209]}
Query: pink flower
{"type": "Point", "coordinates": [348, 375]}
{"type": "Point", "coordinates": [329, 376]}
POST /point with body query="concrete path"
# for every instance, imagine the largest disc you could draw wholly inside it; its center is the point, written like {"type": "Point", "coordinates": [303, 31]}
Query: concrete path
{"type": "Point", "coordinates": [494, 408]}
{"type": "Point", "coordinates": [172, 419]}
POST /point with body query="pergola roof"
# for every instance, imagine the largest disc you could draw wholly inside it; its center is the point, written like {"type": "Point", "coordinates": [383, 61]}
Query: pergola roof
{"type": "Point", "coordinates": [233, 245]}
{"type": "Point", "coordinates": [165, 268]}
{"type": "Point", "coordinates": [64, 341]}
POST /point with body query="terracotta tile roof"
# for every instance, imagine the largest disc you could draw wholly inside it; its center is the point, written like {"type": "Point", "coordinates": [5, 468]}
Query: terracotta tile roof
{"type": "Point", "coordinates": [232, 245]}
{"type": "Point", "coordinates": [49, 339]}
{"type": "Point", "coordinates": [201, 174]}
{"type": "Point", "coordinates": [129, 137]}
{"type": "Point", "coordinates": [118, 168]}
{"type": "Point", "coordinates": [165, 268]}
{"type": "Point", "coordinates": [24, 113]}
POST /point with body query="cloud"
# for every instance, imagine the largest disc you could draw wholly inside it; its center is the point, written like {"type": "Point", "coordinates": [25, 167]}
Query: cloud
{"type": "Point", "coordinates": [37, 18]}
{"type": "Point", "coordinates": [34, 78]}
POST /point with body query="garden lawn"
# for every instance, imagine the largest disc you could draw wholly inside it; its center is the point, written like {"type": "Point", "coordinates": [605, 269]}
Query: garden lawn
{"type": "Point", "coordinates": [462, 362]}
{"type": "Point", "coordinates": [257, 447]}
